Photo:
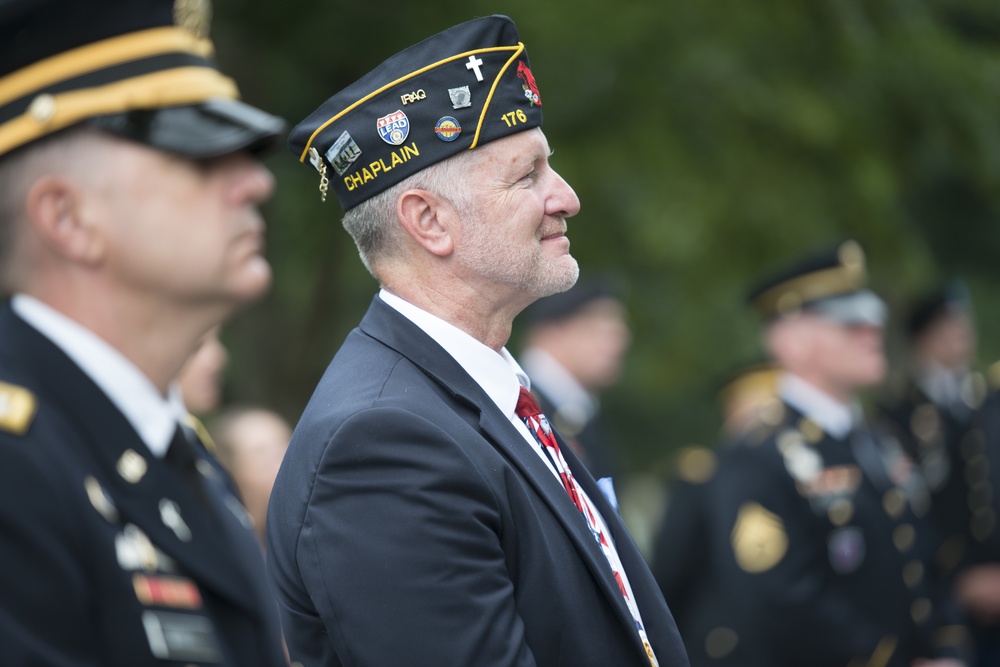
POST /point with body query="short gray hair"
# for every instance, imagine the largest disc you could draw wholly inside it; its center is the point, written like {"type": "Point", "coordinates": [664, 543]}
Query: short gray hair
{"type": "Point", "coordinates": [373, 224]}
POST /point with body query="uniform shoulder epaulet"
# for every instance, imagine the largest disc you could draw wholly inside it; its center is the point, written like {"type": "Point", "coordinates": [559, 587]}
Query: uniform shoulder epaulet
{"type": "Point", "coordinates": [768, 418]}
{"type": "Point", "coordinates": [696, 464]}
{"type": "Point", "coordinates": [17, 408]}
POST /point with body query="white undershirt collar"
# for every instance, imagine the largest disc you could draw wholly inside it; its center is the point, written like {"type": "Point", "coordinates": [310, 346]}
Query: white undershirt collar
{"type": "Point", "coordinates": [153, 417]}
{"type": "Point", "coordinates": [834, 417]}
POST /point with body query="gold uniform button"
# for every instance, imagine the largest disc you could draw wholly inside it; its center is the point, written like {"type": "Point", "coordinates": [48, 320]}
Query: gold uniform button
{"type": "Point", "coordinates": [903, 537]}
{"type": "Point", "coordinates": [913, 573]}
{"type": "Point", "coordinates": [894, 502]}
{"type": "Point", "coordinates": [131, 466]}
{"type": "Point", "coordinates": [720, 642]}
{"type": "Point", "coordinates": [840, 512]}
{"type": "Point", "coordinates": [920, 610]}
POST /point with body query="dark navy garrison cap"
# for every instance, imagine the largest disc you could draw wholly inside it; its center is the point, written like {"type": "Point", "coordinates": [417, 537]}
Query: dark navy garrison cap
{"type": "Point", "coordinates": [831, 282]}
{"type": "Point", "coordinates": [457, 90]}
{"type": "Point", "coordinates": [142, 69]}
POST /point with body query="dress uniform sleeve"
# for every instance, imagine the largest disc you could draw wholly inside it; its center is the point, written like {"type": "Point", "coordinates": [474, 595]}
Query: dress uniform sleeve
{"type": "Point", "coordinates": [44, 591]}
{"type": "Point", "coordinates": [399, 512]}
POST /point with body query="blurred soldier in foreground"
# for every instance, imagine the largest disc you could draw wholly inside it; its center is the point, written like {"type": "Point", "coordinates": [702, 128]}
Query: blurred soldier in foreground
{"type": "Point", "coordinates": [575, 345]}
{"type": "Point", "coordinates": [817, 557]}
{"type": "Point", "coordinates": [128, 229]}
{"type": "Point", "coordinates": [426, 513]}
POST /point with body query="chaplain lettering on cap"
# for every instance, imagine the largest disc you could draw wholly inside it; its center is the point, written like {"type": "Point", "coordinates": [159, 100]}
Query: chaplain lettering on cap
{"type": "Point", "coordinates": [427, 510]}
{"type": "Point", "coordinates": [130, 183]}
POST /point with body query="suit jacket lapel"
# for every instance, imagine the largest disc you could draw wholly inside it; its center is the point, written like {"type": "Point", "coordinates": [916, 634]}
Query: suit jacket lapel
{"type": "Point", "coordinates": [139, 498]}
{"type": "Point", "coordinates": [393, 329]}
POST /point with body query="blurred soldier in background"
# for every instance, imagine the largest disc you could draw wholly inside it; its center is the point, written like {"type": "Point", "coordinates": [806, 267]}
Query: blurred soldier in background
{"type": "Point", "coordinates": [977, 579]}
{"type": "Point", "coordinates": [931, 414]}
{"type": "Point", "coordinates": [575, 345]}
{"type": "Point", "coordinates": [200, 381]}
{"type": "Point", "coordinates": [250, 442]}
{"type": "Point", "coordinates": [816, 555]}
{"type": "Point", "coordinates": [128, 229]}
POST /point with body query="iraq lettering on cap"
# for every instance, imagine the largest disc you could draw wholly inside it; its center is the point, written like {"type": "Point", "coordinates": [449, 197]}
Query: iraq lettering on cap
{"type": "Point", "coordinates": [415, 96]}
{"type": "Point", "coordinates": [394, 128]}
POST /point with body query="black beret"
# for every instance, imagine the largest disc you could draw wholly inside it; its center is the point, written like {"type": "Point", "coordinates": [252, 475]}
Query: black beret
{"type": "Point", "coordinates": [830, 272]}
{"type": "Point", "coordinates": [950, 298]}
{"type": "Point", "coordinates": [566, 304]}
{"type": "Point", "coordinates": [464, 87]}
{"type": "Point", "coordinates": [142, 69]}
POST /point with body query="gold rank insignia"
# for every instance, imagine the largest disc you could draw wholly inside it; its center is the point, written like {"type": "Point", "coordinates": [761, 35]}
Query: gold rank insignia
{"type": "Point", "coordinates": [17, 408]}
{"type": "Point", "coordinates": [759, 539]}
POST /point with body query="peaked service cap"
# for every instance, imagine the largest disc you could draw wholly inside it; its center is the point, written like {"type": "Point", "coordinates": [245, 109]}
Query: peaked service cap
{"type": "Point", "coordinates": [141, 69]}
{"type": "Point", "coordinates": [462, 88]}
{"type": "Point", "coordinates": [831, 282]}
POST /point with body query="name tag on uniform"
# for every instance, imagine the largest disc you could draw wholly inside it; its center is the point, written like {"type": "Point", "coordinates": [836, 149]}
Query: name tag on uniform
{"type": "Point", "coordinates": [181, 637]}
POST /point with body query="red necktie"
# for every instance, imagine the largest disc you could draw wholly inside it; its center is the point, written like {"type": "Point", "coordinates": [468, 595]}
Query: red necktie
{"type": "Point", "coordinates": [531, 413]}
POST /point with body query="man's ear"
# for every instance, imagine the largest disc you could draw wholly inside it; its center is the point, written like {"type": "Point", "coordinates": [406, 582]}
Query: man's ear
{"type": "Point", "coordinates": [428, 219]}
{"type": "Point", "coordinates": [58, 213]}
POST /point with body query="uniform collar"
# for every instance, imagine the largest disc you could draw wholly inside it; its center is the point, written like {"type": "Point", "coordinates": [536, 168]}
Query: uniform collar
{"type": "Point", "coordinates": [153, 417]}
{"type": "Point", "coordinates": [834, 417]}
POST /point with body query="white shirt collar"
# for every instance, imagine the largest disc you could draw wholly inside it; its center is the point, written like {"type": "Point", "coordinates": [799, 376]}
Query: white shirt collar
{"type": "Point", "coordinates": [497, 373]}
{"type": "Point", "coordinates": [942, 385]}
{"type": "Point", "coordinates": [153, 417]}
{"type": "Point", "coordinates": [834, 417]}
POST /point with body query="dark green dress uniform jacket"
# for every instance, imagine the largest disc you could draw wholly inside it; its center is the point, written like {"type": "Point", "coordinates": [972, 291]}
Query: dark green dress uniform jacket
{"type": "Point", "coordinates": [109, 557]}
{"type": "Point", "coordinates": [814, 556]}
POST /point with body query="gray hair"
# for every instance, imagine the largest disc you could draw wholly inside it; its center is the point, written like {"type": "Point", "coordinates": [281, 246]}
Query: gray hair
{"type": "Point", "coordinates": [373, 224]}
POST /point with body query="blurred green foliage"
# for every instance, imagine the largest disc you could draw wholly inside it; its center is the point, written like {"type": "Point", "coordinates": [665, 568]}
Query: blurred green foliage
{"type": "Point", "coordinates": [708, 141]}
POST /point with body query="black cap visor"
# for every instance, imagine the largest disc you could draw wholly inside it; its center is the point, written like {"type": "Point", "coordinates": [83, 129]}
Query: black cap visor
{"type": "Point", "coordinates": [200, 131]}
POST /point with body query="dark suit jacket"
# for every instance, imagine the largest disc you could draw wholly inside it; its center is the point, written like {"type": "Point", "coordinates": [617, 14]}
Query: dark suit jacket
{"type": "Point", "coordinates": [411, 524]}
{"type": "Point", "coordinates": [91, 573]}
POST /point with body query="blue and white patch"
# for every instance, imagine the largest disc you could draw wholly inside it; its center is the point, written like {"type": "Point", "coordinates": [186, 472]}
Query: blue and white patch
{"type": "Point", "coordinates": [394, 128]}
{"type": "Point", "coordinates": [343, 153]}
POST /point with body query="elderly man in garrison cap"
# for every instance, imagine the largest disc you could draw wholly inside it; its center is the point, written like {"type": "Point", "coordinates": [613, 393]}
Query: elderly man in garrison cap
{"type": "Point", "coordinates": [128, 229]}
{"type": "Point", "coordinates": [817, 554]}
{"type": "Point", "coordinates": [426, 514]}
